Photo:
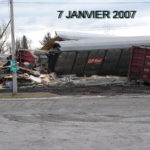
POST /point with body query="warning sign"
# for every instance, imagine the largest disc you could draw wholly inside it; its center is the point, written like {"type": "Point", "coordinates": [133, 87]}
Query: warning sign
{"type": "Point", "coordinates": [95, 60]}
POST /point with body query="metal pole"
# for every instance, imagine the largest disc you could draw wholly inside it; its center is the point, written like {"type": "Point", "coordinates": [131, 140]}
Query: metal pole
{"type": "Point", "coordinates": [13, 50]}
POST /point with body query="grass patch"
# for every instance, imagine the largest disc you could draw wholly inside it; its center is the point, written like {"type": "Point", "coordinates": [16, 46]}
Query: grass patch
{"type": "Point", "coordinates": [27, 95]}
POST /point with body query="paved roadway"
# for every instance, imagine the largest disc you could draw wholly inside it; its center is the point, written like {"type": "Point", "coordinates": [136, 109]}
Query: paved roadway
{"type": "Point", "coordinates": [76, 123]}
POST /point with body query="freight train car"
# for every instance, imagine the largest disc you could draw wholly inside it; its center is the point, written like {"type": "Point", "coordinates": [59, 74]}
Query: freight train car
{"type": "Point", "coordinates": [100, 56]}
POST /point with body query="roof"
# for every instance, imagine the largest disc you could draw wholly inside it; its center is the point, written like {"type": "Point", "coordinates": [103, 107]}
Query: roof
{"type": "Point", "coordinates": [103, 43]}
{"type": "Point", "coordinates": [79, 35]}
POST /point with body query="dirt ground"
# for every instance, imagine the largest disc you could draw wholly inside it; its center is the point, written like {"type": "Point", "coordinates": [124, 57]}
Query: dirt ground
{"type": "Point", "coordinates": [120, 122]}
{"type": "Point", "coordinates": [87, 114]}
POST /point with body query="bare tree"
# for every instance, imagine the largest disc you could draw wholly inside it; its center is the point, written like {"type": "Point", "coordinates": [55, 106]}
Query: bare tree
{"type": "Point", "coordinates": [23, 43]}
{"type": "Point", "coordinates": [4, 35]}
{"type": "Point", "coordinates": [18, 43]}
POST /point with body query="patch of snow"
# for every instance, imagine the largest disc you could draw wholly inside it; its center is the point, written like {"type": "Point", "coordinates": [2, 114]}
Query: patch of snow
{"type": "Point", "coordinates": [103, 43]}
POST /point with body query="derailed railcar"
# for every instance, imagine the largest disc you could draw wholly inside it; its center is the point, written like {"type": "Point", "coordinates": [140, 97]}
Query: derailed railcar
{"type": "Point", "coordinates": [104, 56]}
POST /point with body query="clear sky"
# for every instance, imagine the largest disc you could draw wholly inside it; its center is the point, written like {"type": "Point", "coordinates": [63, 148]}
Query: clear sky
{"type": "Point", "coordinates": [35, 18]}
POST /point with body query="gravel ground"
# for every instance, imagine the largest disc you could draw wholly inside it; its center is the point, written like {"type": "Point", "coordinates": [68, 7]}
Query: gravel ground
{"type": "Point", "coordinates": [120, 122]}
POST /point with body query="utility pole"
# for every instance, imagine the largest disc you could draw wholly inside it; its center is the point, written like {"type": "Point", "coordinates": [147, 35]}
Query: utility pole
{"type": "Point", "coordinates": [13, 49]}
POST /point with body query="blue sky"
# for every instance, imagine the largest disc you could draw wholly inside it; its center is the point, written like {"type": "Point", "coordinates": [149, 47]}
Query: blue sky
{"type": "Point", "coordinates": [35, 18]}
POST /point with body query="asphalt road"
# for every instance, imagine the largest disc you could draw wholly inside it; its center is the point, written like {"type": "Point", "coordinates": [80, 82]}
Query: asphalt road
{"type": "Point", "coordinates": [76, 123]}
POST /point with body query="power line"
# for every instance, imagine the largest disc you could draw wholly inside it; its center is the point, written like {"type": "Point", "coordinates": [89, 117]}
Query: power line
{"type": "Point", "coordinates": [70, 3]}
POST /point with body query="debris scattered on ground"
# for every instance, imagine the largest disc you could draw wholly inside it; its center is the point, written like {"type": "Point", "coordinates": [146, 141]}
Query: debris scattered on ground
{"type": "Point", "coordinates": [33, 74]}
{"type": "Point", "coordinates": [9, 84]}
{"type": "Point", "coordinates": [27, 78]}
